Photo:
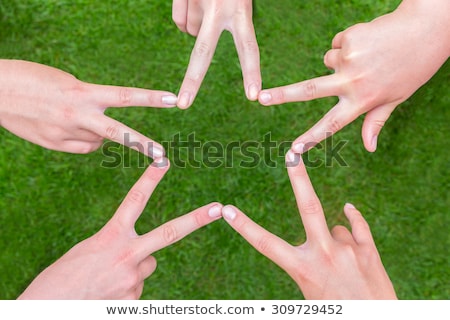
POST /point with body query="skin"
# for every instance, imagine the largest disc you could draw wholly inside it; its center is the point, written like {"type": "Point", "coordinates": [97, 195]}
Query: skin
{"type": "Point", "coordinates": [113, 263]}
{"type": "Point", "coordinates": [206, 20]}
{"type": "Point", "coordinates": [53, 109]}
{"type": "Point", "coordinates": [377, 66]}
{"type": "Point", "coordinates": [330, 265]}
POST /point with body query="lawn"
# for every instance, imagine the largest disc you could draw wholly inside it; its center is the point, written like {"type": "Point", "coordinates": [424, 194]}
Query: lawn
{"type": "Point", "coordinates": [51, 200]}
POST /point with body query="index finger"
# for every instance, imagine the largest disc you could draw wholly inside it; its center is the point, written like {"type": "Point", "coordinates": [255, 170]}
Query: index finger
{"type": "Point", "coordinates": [248, 51]}
{"type": "Point", "coordinates": [116, 131]}
{"type": "Point", "coordinates": [336, 43]}
{"type": "Point", "coordinates": [268, 244]}
{"type": "Point", "coordinates": [116, 96]}
{"type": "Point", "coordinates": [325, 86]}
{"type": "Point", "coordinates": [199, 62]}
{"type": "Point", "coordinates": [177, 229]}
{"type": "Point", "coordinates": [308, 203]}
{"type": "Point", "coordinates": [135, 201]}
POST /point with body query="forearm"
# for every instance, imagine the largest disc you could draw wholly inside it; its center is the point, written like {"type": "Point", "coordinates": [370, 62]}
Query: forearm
{"type": "Point", "coordinates": [433, 17]}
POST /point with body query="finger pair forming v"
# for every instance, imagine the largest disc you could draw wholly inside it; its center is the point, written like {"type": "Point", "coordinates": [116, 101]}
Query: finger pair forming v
{"type": "Point", "coordinates": [200, 60]}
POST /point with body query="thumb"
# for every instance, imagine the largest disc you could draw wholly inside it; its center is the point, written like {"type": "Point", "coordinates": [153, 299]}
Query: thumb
{"type": "Point", "coordinates": [373, 123]}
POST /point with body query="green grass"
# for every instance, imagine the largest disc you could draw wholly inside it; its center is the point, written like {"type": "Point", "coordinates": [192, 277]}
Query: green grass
{"type": "Point", "coordinates": [50, 201]}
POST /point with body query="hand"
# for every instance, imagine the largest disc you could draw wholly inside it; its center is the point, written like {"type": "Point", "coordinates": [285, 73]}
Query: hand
{"type": "Point", "coordinates": [113, 263]}
{"type": "Point", "coordinates": [53, 109]}
{"type": "Point", "coordinates": [377, 65]}
{"type": "Point", "coordinates": [206, 20]}
{"type": "Point", "coordinates": [330, 266]}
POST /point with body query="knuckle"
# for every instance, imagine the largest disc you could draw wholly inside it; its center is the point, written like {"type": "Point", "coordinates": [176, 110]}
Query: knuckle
{"type": "Point", "coordinates": [310, 89]}
{"type": "Point", "coordinates": [191, 79]}
{"type": "Point", "coordinates": [379, 123]}
{"type": "Point", "coordinates": [263, 245]}
{"type": "Point", "coordinates": [346, 57]}
{"type": "Point", "coordinates": [348, 251]}
{"type": "Point", "coordinates": [152, 98]}
{"type": "Point", "coordinates": [202, 49]}
{"type": "Point", "coordinates": [199, 220]}
{"type": "Point", "coordinates": [125, 96]}
{"type": "Point", "coordinates": [137, 197]}
{"type": "Point", "coordinates": [334, 125]}
{"type": "Point", "coordinates": [112, 132]}
{"type": "Point", "coordinates": [310, 139]}
{"type": "Point", "coordinates": [245, 6]}
{"type": "Point", "coordinates": [241, 225]}
{"type": "Point", "coordinates": [329, 59]}
{"type": "Point", "coordinates": [170, 234]}
{"type": "Point", "coordinates": [78, 88]}
{"type": "Point", "coordinates": [279, 95]}
{"type": "Point", "coordinates": [347, 36]}
{"type": "Point", "coordinates": [250, 46]}
{"type": "Point", "coordinates": [310, 207]}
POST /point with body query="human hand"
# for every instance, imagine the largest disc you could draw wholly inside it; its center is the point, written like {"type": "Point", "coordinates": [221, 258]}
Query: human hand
{"type": "Point", "coordinates": [330, 265]}
{"type": "Point", "coordinates": [206, 20]}
{"type": "Point", "coordinates": [53, 109]}
{"type": "Point", "coordinates": [113, 263]}
{"type": "Point", "coordinates": [378, 65]}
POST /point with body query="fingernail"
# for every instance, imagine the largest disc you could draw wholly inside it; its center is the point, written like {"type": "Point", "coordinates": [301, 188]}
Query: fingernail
{"type": "Point", "coordinates": [156, 153]}
{"type": "Point", "coordinates": [253, 92]}
{"type": "Point", "coordinates": [215, 211]}
{"type": "Point", "coordinates": [183, 102]}
{"type": "Point", "coordinates": [169, 100]}
{"type": "Point", "coordinates": [374, 143]}
{"type": "Point", "coordinates": [293, 159]}
{"type": "Point", "coordinates": [349, 206]}
{"type": "Point", "coordinates": [298, 147]}
{"type": "Point", "coordinates": [229, 213]}
{"type": "Point", "coordinates": [161, 162]}
{"type": "Point", "coordinates": [290, 156]}
{"type": "Point", "coordinates": [265, 97]}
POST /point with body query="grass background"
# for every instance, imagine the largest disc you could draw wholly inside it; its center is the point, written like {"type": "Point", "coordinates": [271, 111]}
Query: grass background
{"type": "Point", "coordinates": [50, 201]}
